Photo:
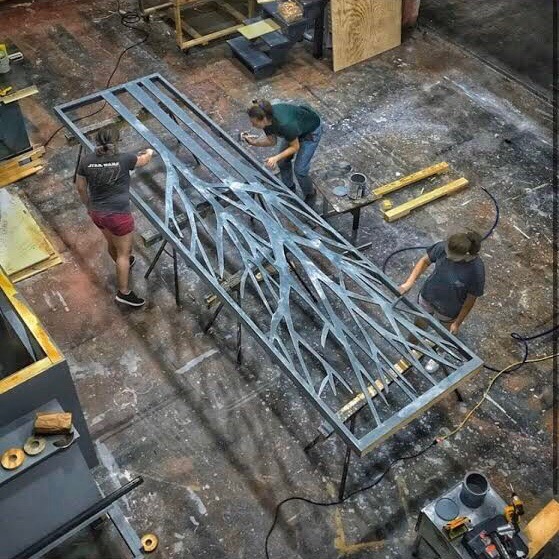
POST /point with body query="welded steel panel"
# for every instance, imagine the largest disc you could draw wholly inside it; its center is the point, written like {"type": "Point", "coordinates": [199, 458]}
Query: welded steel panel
{"type": "Point", "coordinates": [330, 318]}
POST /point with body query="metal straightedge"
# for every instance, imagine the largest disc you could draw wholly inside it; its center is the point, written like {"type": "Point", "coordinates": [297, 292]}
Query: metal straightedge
{"type": "Point", "coordinates": [325, 314]}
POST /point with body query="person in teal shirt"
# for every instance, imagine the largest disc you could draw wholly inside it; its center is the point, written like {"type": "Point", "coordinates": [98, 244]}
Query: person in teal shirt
{"type": "Point", "coordinates": [300, 130]}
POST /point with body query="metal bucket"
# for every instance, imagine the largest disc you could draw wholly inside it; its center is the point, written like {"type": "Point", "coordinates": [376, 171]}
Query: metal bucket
{"type": "Point", "coordinates": [357, 183]}
{"type": "Point", "coordinates": [474, 489]}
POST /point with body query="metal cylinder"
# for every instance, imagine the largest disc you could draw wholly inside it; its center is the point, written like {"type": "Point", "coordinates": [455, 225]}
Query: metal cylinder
{"type": "Point", "coordinates": [357, 183]}
{"type": "Point", "coordinates": [4, 62]}
{"type": "Point", "coordinates": [474, 489]}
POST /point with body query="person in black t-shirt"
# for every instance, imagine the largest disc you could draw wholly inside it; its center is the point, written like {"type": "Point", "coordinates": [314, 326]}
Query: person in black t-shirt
{"type": "Point", "coordinates": [103, 183]}
{"type": "Point", "coordinates": [458, 279]}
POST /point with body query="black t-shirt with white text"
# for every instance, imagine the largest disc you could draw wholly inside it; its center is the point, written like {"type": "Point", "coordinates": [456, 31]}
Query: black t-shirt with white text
{"type": "Point", "coordinates": [108, 181]}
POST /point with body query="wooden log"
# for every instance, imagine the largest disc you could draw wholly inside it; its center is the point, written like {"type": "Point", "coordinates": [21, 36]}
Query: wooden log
{"type": "Point", "coordinates": [405, 208]}
{"type": "Point", "coordinates": [410, 179]}
{"type": "Point", "coordinates": [49, 423]}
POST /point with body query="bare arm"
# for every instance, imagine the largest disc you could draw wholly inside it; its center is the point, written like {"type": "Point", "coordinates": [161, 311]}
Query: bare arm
{"type": "Point", "coordinates": [263, 142]}
{"type": "Point", "coordinates": [464, 312]}
{"type": "Point", "coordinates": [81, 184]}
{"type": "Point", "coordinates": [289, 151]}
{"type": "Point", "coordinates": [418, 269]}
{"type": "Point", "coordinates": [144, 157]}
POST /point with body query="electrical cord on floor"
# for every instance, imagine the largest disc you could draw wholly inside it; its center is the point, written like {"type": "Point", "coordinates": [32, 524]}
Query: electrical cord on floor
{"type": "Point", "coordinates": [508, 369]}
{"type": "Point", "coordinates": [438, 440]}
{"type": "Point", "coordinates": [349, 496]}
{"type": "Point", "coordinates": [127, 19]}
{"type": "Point", "coordinates": [487, 234]}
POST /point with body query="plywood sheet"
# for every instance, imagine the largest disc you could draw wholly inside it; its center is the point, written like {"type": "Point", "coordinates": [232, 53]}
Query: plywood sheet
{"type": "Point", "coordinates": [24, 249]}
{"type": "Point", "coordinates": [364, 28]}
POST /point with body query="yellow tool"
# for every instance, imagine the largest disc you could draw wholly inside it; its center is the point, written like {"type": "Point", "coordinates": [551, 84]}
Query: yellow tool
{"type": "Point", "coordinates": [5, 91]}
{"type": "Point", "coordinates": [514, 510]}
{"type": "Point", "coordinates": [457, 527]}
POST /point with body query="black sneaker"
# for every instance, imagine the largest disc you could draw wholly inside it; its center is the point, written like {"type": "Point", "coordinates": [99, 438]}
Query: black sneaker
{"type": "Point", "coordinates": [132, 260]}
{"type": "Point", "coordinates": [130, 299]}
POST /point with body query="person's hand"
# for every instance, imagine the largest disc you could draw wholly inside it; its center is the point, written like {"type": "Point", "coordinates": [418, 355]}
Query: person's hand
{"type": "Point", "coordinates": [454, 327]}
{"type": "Point", "coordinates": [405, 287]}
{"type": "Point", "coordinates": [271, 162]}
{"type": "Point", "coordinates": [248, 138]}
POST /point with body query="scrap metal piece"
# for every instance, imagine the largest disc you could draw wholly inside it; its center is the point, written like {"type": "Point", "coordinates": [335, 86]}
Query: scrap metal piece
{"type": "Point", "coordinates": [322, 311]}
{"type": "Point", "coordinates": [34, 445]}
{"type": "Point", "coordinates": [149, 542]}
{"type": "Point", "coordinates": [12, 459]}
{"type": "Point", "coordinates": [65, 440]}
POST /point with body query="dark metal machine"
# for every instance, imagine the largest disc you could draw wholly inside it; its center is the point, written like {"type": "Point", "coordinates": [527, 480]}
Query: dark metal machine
{"type": "Point", "coordinates": [326, 315]}
{"type": "Point", "coordinates": [471, 521]}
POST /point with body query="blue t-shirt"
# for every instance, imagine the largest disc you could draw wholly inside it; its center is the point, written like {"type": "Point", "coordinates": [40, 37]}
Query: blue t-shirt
{"type": "Point", "coordinates": [451, 282]}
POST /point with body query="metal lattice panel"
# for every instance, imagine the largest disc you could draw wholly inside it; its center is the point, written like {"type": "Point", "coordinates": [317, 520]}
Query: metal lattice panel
{"type": "Point", "coordinates": [326, 315]}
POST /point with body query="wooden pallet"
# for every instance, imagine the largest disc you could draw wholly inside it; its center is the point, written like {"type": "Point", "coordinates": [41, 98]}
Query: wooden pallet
{"type": "Point", "coordinates": [21, 166]}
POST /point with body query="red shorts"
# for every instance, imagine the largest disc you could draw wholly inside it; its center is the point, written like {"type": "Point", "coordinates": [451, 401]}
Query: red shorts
{"type": "Point", "coordinates": [118, 224]}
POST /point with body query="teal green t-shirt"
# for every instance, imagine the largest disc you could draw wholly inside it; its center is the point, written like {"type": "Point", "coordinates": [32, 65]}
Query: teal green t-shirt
{"type": "Point", "coordinates": [292, 121]}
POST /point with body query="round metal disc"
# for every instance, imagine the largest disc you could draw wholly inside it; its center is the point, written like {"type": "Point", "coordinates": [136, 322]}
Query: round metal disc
{"type": "Point", "coordinates": [446, 509]}
{"type": "Point", "coordinates": [34, 445]}
{"type": "Point", "coordinates": [13, 458]}
{"type": "Point", "coordinates": [340, 191]}
{"type": "Point", "coordinates": [149, 542]}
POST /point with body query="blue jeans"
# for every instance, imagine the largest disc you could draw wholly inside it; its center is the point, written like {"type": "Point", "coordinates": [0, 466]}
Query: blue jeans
{"type": "Point", "coordinates": [307, 147]}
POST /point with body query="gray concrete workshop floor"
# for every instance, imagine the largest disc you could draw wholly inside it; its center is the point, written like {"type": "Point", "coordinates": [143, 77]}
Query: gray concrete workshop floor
{"type": "Point", "coordinates": [218, 445]}
{"type": "Point", "coordinates": [515, 35]}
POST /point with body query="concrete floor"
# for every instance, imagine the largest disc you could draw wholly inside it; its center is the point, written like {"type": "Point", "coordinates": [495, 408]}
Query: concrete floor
{"type": "Point", "coordinates": [219, 446]}
{"type": "Point", "coordinates": [514, 35]}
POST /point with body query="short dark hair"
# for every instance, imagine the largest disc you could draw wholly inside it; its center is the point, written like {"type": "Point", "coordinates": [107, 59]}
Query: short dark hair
{"type": "Point", "coordinates": [465, 243]}
{"type": "Point", "coordinates": [260, 109]}
{"type": "Point", "coordinates": [106, 140]}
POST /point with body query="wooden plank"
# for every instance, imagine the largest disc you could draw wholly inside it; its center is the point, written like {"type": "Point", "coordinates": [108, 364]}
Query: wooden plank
{"type": "Point", "coordinates": [16, 160]}
{"type": "Point", "coordinates": [405, 208]}
{"type": "Point", "coordinates": [542, 528]}
{"type": "Point", "coordinates": [210, 37]}
{"type": "Point", "coordinates": [255, 30]}
{"type": "Point", "coordinates": [232, 11]}
{"type": "Point", "coordinates": [18, 95]}
{"type": "Point", "coordinates": [17, 173]}
{"type": "Point", "coordinates": [410, 179]}
{"type": "Point", "coordinates": [364, 28]}
{"type": "Point", "coordinates": [23, 244]}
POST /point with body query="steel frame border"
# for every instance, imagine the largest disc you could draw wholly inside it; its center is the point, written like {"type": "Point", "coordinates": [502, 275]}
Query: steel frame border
{"type": "Point", "coordinates": [397, 421]}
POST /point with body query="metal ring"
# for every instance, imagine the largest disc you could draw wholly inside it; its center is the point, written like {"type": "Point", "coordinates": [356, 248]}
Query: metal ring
{"type": "Point", "coordinates": [13, 458]}
{"type": "Point", "coordinates": [34, 445]}
{"type": "Point", "coordinates": [149, 542]}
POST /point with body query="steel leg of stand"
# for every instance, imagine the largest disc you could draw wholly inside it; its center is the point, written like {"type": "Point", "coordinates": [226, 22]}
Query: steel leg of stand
{"type": "Point", "coordinates": [239, 334]}
{"type": "Point", "coordinates": [355, 227]}
{"type": "Point", "coordinates": [213, 318]}
{"type": "Point", "coordinates": [176, 274]}
{"type": "Point", "coordinates": [347, 459]}
{"type": "Point", "coordinates": [78, 163]}
{"type": "Point", "coordinates": [457, 392]}
{"type": "Point", "coordinates": [155, 260]}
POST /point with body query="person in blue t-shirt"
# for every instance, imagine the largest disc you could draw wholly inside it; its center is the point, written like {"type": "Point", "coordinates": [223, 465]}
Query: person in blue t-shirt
{"type": "Point", "coordinates": [452, 289]}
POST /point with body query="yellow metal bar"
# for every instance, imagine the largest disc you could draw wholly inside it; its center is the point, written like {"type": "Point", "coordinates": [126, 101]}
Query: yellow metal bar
{"type": "Point", "coordinates": [53, 354]}
{"type": "Point", "coordinates": [21, 94]}
{"type": "Point", "coordinates": [405, 208]}
{"type": "Point", "coordinates": [410, 179]}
